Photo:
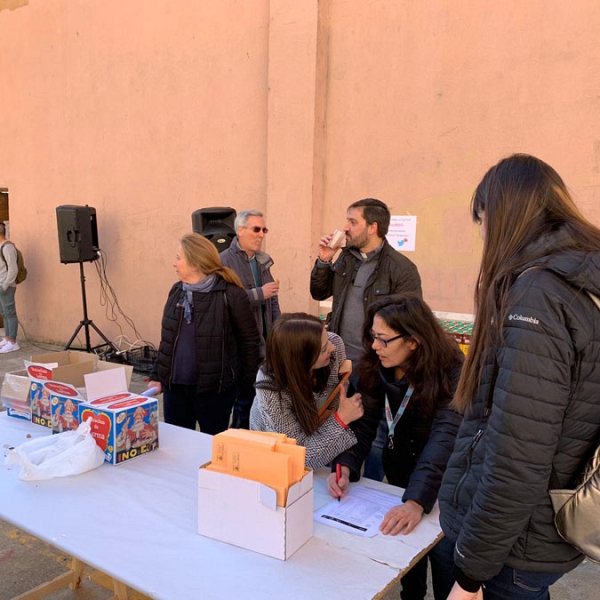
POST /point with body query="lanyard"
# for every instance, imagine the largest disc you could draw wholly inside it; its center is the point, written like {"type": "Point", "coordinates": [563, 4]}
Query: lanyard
{"type": "Point", "coordinates": [392, 422]}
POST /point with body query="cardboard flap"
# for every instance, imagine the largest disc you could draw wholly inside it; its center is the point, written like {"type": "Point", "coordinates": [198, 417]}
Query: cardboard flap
{"type": "Point", "coordinates": [299, 489]}
{"type": "Point", "coordinates": [73, 374]}
{"type": "Point", "coordinates": [107, 366]}
{"type": "Point", "coordinates": [105, 383]}
{"type": "Point", "coordinates": [66, 357]}
{"type": "Point", "coordinates": [208, 480]}
{"type": "Point", "coordinates": [267, 496]}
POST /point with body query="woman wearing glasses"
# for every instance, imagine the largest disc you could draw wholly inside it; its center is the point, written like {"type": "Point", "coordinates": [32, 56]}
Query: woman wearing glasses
{"type": "Point", "coordinates": [409, 371]}
{"type": "Point", "coordinates": [301, 370]}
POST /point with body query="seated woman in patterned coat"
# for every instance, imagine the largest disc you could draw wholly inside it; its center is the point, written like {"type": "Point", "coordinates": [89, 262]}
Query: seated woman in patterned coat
{"type": "Point", "coordinates": [300, 371]}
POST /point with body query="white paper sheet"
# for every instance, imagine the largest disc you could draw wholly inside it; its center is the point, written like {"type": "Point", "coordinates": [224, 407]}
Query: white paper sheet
{"type": "Point", "coordinates": [359, 512]}
{"type": "Point", "coordinates": [393, 550]}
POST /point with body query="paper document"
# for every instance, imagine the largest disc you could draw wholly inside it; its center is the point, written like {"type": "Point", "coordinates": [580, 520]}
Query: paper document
{"type": "Point", "coordinates": [359, 512]}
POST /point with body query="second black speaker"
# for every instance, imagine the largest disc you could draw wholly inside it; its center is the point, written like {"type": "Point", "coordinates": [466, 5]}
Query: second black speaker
{"type": "Point", "coordinates": [77, 233]}
{"type": "Point", "coordinates": [215, 224]}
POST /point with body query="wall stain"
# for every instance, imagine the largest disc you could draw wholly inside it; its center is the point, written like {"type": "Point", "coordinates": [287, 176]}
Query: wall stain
{"type": "Point", "coordinates": [12, 4]}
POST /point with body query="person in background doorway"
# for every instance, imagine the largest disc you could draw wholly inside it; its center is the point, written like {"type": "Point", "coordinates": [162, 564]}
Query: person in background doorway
{"type": "Point", "coordinates": [209, 350]}
{"type": "Point", "coordinates": [301, 370]}
{"type": "Point", "coordinates": [368, 269]}
{"type": "Point", "coordinates": [253, 267]}
{"type": "Point", "coordinates": [8, 288]}
{"type": "Point", "coordinates": [409, 371]}
{"type": "Point", "coordinates": [530, 387]}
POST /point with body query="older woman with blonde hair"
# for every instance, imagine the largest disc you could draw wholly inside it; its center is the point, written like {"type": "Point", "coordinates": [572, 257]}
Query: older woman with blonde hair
{"type": "Point", "coordinates": [209, 349]}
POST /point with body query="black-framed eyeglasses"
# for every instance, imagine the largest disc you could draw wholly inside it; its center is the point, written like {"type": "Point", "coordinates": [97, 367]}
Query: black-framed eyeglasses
{"type": "Point", "coordinates": [257, 229]}
{"type": "Point", "coordinates": [383, 342]}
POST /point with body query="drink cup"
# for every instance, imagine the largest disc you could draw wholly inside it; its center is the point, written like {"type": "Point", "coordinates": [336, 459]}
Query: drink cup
{"type": "Point", "coordinates": [337, 240]}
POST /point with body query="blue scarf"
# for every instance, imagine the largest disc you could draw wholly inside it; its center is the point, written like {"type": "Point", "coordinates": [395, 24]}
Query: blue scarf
{"type": "Point", "coordinates": [202, 287]}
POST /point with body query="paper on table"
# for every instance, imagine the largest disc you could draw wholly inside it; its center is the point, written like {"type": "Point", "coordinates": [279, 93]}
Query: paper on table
{"type": "Point", "coordinates": [360, 512]}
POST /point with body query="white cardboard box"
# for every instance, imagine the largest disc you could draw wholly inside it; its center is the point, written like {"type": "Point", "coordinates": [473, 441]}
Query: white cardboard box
{"type": "Point", "coordinates": [245, 513]}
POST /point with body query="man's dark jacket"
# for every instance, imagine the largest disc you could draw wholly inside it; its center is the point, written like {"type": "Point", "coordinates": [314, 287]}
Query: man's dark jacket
{"type": "Point", "coordinates": [235, 258]}
{"type": "Point", "coordinates": [227, 340]}
{"type": "Point", "coordinates": [545, 416]}
{"type": "Point", "coordinates": [393, 274]}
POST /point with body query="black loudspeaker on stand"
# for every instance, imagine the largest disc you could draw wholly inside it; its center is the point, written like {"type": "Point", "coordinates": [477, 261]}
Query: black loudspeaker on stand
{"type": "Point", "coordinates": [77, 233]}
{"type": "Point", "coordinates": [78, 243]}
{"type": "Point", "coordinates": [216, 224]}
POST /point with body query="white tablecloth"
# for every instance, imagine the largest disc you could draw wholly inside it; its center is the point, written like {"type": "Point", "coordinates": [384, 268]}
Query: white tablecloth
{"type": "Point", "coordinates": [137, 522]}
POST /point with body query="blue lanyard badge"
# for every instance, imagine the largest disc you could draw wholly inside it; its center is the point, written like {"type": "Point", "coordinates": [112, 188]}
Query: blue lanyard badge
{"type": "Point", "coordinates": [392, 422]}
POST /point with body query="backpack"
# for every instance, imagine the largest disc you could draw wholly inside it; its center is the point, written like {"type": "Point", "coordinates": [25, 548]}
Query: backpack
{"type": "Point", "coordinates": [577, 512]}
{"type": "Point", "coordinates": [21, 270]}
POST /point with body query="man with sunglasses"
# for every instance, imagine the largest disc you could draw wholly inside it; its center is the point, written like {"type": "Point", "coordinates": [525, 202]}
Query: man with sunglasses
{"type": "Point", "coordinates": [253, 267]}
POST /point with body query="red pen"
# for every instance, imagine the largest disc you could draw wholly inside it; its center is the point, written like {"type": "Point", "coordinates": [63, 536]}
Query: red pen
{"type": "Point", "coordinates": [338, 474]}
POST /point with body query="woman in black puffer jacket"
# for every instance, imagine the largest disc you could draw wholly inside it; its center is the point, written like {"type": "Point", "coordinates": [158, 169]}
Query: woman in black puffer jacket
{"type": "Point", "coordinates": [209, 351]}
{"type": "Point", "coordinates": [530, 388]}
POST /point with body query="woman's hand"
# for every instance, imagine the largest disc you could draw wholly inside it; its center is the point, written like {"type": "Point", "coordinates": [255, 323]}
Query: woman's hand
{"type": "Point", "coordinates": [403, 518]}
{"type": "Point", "coordinates": [339, 489]}
{"type": "Point", "coordinates": [155, 384]}
{"type": "Point", "coordinates": [350, 409]}
{"type": "Point", "coordinates": [457, 593]}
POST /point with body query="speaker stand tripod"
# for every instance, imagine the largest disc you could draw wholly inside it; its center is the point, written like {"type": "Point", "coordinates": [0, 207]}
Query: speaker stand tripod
{"type": "Point", "coordinates": [87, 323]}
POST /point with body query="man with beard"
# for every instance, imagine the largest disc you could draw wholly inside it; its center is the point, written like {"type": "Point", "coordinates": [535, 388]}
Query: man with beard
{"type": "Point", "coordinates": [367, 270]}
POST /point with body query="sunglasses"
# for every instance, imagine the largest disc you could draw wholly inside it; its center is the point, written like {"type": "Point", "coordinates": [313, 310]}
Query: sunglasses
{"type": "Point", "coordinates": [257, 229]}
{"type": "Point", "coordinates": [383, 342]}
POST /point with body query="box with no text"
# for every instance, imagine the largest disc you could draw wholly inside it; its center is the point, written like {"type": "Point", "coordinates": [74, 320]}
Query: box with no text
{"type": "Point", "coordinates": [245, 513]}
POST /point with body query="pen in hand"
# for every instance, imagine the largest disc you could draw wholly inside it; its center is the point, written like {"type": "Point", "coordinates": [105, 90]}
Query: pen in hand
{"type": "Point", "coordinates": [338, 474]}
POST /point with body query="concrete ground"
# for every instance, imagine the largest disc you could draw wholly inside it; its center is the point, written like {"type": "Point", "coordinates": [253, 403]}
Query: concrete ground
{"type": "Point", "coordinates": [26, 562]}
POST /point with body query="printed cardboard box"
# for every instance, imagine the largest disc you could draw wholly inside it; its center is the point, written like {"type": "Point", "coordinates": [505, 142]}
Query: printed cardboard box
{"type": "Point", "coordinates": [71, 374]}
{"type": "Point", "coordinates": [124, 425]}
{"type": "Point", "coordinates": [39, 397]}
{"type": "Point", "coordinates": [64, 405]}
{"type": "Point", "coordinates": [245, 513]}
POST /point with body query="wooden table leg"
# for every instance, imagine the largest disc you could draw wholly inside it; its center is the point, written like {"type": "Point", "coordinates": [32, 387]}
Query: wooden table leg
{"type": "Point", "coordinates": [120, 590]}
{"type": "Point", "coordinates": [77, 568]}
{"type": "Point", "coordinates": [71, 578]}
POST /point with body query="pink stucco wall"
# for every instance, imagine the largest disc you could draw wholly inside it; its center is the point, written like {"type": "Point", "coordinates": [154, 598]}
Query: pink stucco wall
{"type": "Point", "coordinates": [148, 111]}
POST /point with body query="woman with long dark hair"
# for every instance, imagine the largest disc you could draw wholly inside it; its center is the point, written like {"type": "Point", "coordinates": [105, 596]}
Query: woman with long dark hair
{"type": "Point", "coordinates": [408, 371]}
{"type": "Point", "coordinates": [301, 370]}
{"type": "Point", "coordinates": [210, 346]}
{"type": "Point", "coordinates": [530, 388]}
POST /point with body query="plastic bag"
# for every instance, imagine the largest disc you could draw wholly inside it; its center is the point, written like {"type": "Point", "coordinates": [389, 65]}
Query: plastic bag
{"type": "Point", "coordinates": [60, 455]}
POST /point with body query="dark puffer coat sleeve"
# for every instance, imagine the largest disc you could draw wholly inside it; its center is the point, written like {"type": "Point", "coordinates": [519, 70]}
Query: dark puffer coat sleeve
{"type": "Point", "coordinates": [247, 337]}
{"type": "Point", "coordinates": [365, 430]}
{"type": "Point", "coordinates": [425, 480]}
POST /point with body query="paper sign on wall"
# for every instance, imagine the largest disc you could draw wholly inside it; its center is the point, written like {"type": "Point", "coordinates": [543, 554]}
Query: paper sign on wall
{"type": "Point", "coordinates": [402, 234]}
